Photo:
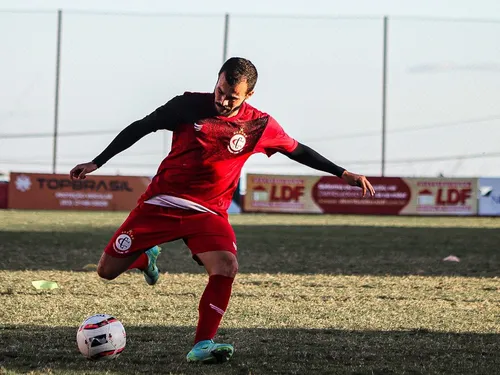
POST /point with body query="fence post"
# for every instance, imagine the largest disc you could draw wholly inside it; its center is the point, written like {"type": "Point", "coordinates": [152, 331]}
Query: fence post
{"type": "Point", "coordinates": [226, 38]}
{"type": "Point", "coordinates": [56, 100]}
{"type": "Point", "coordinates": [237, 192]}
{"type": "Point", "coordinates": [384, 94]}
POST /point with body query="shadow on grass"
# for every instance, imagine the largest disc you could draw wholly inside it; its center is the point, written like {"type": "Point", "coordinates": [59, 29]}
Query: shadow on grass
{"type": "Point", "coordinates": [347, 250]}
{"type": "Point", "coordinates": [160, 350]}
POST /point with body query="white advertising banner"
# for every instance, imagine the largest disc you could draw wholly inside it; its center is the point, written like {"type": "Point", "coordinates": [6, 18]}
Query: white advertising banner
{"type": "Point", "coordinates": [489, 196]}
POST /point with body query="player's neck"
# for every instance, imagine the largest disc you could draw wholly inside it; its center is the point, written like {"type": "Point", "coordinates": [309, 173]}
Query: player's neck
{"type": "Point", "coordinates": [235, 113]}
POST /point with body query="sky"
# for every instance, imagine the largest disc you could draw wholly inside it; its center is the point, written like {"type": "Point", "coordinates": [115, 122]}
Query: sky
{"type": "Point", "coordinates": [320, 67]}
{"type": "Point", "coordinates": [450, 8]}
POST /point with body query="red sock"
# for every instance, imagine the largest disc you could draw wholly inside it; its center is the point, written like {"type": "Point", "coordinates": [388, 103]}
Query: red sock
{"type": "Point", "coordinates": [212, 306]}
{"type": "Point", "coordinates": [141, 263]}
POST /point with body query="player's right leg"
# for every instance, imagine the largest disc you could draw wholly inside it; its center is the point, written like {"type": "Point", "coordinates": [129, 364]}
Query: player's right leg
{"type": "Point", "coordinates": [110, 267]}
{"type": "Point", "coordinates": [134, 244]}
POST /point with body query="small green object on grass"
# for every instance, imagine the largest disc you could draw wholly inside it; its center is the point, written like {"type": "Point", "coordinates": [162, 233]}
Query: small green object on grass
{"type": "Point", "coordinates": [43, 284]}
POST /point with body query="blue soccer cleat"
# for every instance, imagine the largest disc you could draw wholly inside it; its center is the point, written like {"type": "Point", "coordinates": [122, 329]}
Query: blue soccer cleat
{"type": "Point", "coordinates": [207, 351]}
{"type": "Point", "coordinates": [152, 273]}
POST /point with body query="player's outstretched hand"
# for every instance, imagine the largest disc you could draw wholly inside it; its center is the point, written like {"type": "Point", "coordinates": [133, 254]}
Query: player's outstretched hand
{"type": "Point", "coordinates": [359, 180]}
{"type": "Point", "coordinates": [81, 170]}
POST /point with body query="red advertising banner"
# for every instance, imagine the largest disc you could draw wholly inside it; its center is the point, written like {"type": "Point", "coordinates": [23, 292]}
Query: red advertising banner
{"type": "Point", "coordinates": [58, 192]}
{"type": "Point", "coordinates": [329, 194]}
{"type": "Point", "coordinates": [4, 189]}
{"type": "Point", "coordinates": [334, 195]}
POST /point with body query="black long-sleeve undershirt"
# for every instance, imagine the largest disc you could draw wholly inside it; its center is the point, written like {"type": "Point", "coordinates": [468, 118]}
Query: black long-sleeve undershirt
{"type": "Point", "coordinates": [126, 138]}
{"type": "Point", "coordinates": [307, 156]}
{"type": "Point", "coordinates": [137, 130]}
{"type": "Point", "coordinates": [165, 117]}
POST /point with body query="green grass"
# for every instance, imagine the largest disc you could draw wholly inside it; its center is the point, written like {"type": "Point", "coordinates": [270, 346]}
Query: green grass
{"type": "Point", "coordinates": [316, 295]}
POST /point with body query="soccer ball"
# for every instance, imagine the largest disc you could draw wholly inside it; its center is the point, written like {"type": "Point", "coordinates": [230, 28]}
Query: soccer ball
{"type": "Point", "coordinates": [101, 336]}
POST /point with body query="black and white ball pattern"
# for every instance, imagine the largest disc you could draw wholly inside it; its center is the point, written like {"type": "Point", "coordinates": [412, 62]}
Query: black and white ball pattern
{"type": "Point", "coordinates": [101, 336]}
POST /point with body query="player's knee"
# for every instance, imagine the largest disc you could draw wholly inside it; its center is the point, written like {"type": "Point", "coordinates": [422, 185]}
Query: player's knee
{"type": "Point", "coordinates": [105, 273]}
{"type": "Point", "coordinates": [219, 263]}
{"type": "Point", "coordinates": [232, 269]}
{"type": "Point", "coordinates": [228, 267]}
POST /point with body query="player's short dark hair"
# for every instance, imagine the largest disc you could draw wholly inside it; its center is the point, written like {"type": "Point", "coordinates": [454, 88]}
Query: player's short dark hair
{"type": "Point", "coordinates": [237, 69]}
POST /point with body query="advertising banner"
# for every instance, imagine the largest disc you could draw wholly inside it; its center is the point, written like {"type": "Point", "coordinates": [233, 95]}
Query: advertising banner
{"type": "Point", "coordinates": [489, 196]}
{"type": "Point", "coordinates": [442, 196]}
{"type": "Point", "coordinates": [329, 194]}
{"type": "Point", "coordinates": [4, 189]}
{"type": "Point", "coordinates": [58, 192]}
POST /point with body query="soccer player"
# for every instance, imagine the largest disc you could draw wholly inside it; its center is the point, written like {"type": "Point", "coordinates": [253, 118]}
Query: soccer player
{"type": "Point", "coordinates": [213, 135]}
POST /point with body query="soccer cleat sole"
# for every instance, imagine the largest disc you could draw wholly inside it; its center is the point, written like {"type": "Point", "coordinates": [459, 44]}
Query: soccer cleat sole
{"type": "Point", "coordinates": [150, 281]}
{"type": "Point", "coordinates": [222, 355]}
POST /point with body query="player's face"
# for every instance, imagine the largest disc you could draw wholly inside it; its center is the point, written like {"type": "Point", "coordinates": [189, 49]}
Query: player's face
{"type": "Point", "coordinates": [229, 99]}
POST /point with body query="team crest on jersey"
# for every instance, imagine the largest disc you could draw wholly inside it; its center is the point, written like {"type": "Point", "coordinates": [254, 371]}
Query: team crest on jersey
{"type": "Point", "coordinates": [237, 142]}
{"type": "Point", "coordinates": [123, 242]}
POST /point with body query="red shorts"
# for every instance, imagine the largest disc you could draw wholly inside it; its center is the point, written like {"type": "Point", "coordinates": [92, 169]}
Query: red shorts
{"type": "Point", "coordinates": [149, 225]}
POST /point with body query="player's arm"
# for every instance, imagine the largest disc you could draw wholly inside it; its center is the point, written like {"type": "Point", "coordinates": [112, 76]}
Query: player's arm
{"type": "Point", "coordinates": [275, 139]}
{"type": "Point", "coordinates": [165, 117]}
{"type": "Point", "coordinates": [307, 156]}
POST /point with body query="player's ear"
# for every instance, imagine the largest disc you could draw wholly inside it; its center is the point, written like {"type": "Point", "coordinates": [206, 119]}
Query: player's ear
{"type": "Point", "coordinates": [249, 94]}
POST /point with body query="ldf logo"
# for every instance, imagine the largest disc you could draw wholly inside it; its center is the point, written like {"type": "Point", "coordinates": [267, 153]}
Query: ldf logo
{"type": "Point", "coordinates": [286, 193]}
{"type": "Point", "coordinates": [452, 197]}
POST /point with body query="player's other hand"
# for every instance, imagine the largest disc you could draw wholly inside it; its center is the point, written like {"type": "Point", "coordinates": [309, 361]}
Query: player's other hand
{"type": "Point", "coordinates": [359, 180]}
{"type": "Point", "coordinates": [81, 171]}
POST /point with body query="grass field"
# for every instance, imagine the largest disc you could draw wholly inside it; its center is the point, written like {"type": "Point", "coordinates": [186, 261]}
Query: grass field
{"type": "Point", "coordinates": [316, 295]}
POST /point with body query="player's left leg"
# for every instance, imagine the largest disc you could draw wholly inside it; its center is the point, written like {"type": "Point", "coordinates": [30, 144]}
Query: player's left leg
{"type": "Point", "coordinates": [222, 267]}
{"type": "Point", "coordinates": [214, 247]}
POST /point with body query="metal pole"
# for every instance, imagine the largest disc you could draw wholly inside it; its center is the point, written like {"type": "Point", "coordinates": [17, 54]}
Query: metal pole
{"type": "Point", "coordinates": [226, 37]}
{"type": "Point", "coordinates": [384, 95]}
{"type": "Point", "coordinates": [236, 195]}
{"type": "Point", "coordinates": [56, 104]}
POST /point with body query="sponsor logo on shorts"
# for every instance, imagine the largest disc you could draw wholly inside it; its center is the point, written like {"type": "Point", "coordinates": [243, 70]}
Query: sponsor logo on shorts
{"type": "Point", "coordinates": [235, 247]}
{"type": "Point", "coordinates": [123, 242]}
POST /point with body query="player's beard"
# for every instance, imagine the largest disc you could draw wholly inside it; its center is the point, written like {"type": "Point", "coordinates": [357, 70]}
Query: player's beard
{"type": "Point", "coordinates": [225, 111]}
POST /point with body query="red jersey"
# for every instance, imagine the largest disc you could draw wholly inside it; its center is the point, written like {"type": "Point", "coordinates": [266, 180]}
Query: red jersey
{"type": "Point", "coordinates": [209, 151]}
